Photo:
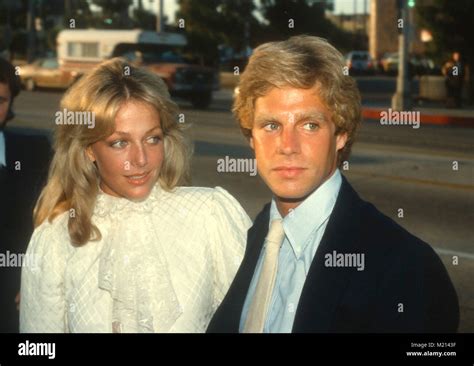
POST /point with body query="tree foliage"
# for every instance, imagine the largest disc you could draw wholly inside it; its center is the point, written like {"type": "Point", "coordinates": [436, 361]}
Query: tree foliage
{"type": "Point", "coordinates": [234, 23]}
{"type": "Point", "coordinates": [115, 13]}
{"type": "Point", "coordinates": [208, 23]}
{"type": "Point", "coordinates": [450, 23]}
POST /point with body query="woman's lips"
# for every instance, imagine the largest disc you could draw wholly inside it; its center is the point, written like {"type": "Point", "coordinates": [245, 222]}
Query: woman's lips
{"type": "Point", "coordinates": [138, 179]}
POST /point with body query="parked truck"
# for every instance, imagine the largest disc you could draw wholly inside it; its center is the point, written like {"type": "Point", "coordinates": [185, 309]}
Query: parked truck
{"type": "Point", "coordinates": [162, 53]}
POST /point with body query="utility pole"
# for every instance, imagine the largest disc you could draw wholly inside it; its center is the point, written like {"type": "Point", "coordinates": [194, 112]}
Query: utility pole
{"type": "Point", "coordinates": [160, 17]}
{"type": "Point", "coordinates": [354, 19]}
{"type": "Point", "coordinates": [401, 100]}
{"type": "Point", "coordinates": [364, 18]}
{"type": "Point", "coordinates": [30, 53]}
{"type": "Point", "coordinates": [8, 29]}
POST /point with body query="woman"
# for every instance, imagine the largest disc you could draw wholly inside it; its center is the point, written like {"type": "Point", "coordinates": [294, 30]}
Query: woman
{"type": "Point", "coordinates": [119, 244]}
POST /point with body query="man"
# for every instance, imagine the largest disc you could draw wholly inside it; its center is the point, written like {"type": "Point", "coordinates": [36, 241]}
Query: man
{"type": "Point", "coordinates": [24, 160]}
{"type": "Point", "coordinates": [453, 71]}
{"type": "Point", "coordinates": [331, 262]}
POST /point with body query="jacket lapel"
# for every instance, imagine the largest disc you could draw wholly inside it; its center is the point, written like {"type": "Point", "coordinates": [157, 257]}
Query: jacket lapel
{"type": "Point", "coordinates": [324, 286]}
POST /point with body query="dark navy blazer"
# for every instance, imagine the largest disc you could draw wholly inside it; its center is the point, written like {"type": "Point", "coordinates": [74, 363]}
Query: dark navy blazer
{"type": "Point", "coordinates": [27, 156]}
{"type": "Point", "coordinates": [404, 286]}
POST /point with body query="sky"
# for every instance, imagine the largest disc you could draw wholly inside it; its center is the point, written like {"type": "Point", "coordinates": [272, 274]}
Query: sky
{"type": "Point", "coordinates": [340, 6]}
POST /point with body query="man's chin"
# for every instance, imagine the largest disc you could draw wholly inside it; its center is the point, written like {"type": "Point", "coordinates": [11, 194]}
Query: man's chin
{"type": "Point", "coordinates": [292, 196]}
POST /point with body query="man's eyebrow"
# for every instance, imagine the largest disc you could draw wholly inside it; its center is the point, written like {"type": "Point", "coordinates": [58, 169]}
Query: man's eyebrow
{"type": "Point", "coordinates": [266, 119]}
{"type": "Point", "coordinates": [317, 115]}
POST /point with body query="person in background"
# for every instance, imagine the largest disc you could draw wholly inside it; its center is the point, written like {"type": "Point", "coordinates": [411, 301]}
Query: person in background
{"type": "Point", "coordinates": [24, 160]}
{"type": "Point", "coordinates": [453, 70]}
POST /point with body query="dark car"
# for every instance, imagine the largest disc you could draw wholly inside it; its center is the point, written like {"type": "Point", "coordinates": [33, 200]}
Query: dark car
{"type": "Point", "coordinates": [360, 62]}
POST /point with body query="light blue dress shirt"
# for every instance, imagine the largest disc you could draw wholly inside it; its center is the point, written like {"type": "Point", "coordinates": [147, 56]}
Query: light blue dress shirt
{"type": "Point", "coordinates": [3, 157]}
{"type": "Point", "coordinates": [304, 227]}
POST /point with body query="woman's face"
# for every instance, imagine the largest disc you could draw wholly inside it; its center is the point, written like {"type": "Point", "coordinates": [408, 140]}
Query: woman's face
{"type": "Point", "coordinates": [129, 160]}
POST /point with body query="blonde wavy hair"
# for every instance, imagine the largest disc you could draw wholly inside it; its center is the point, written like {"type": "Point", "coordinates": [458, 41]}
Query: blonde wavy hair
{"type": "Point", "coordinates": [73, 180]}
{"type": "Point", "coordinates": [301, 62]}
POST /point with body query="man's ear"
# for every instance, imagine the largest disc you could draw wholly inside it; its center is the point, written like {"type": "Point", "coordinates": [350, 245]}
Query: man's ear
{"type": "Point", "coordinates": [341, 140]}
{"type": "Point", "coordinates": [90, 153]}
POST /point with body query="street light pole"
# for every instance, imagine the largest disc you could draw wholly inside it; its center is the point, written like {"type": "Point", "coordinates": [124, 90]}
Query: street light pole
{"type": "Point", "coordinates": [401, 100]}
{"type": "Point", "coordinates": [160, 16]}
{"type": "Point", "coordinates": [30, 53]}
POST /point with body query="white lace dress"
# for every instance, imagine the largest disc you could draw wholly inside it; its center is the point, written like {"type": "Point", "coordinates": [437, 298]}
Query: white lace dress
{"type": "Point", "coordinates": [162, 265]}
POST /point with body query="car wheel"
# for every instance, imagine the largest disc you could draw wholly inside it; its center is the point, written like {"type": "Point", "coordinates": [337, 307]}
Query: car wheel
{"type": "Point", "coordinates": [30, 85]}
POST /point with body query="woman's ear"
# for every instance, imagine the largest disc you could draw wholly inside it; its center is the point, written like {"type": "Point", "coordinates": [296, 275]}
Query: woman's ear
{"type": "Point", "coordinates": [90, 153]}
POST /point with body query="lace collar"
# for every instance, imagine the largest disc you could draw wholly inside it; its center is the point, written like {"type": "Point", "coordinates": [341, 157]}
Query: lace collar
{"type": "Point", "coordinates": [107, 204]}
{"type": "Point", "coordinates": [133, 267]}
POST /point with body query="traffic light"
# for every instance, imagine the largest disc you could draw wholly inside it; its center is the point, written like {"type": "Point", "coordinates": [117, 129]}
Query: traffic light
{"type": "Point", "coordinates": [411, 3]}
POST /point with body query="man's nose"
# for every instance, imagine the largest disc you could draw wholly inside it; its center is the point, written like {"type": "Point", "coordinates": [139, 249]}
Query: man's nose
{"type": "Point", "coordinates": [289, 141]}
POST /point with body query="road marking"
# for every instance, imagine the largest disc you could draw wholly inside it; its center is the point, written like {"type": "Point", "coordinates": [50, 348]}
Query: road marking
{"type": "Point", "coordinates": [467, 187]}
{"type": "Point", "coordinates": [433, 152]}
{"type": "Point", "coordinates": [454, 252]}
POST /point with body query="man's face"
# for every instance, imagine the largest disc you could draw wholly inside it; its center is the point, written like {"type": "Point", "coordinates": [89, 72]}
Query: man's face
{"type": "Point", "coordinates": [5, 98]}
{"type": "Point", "coordinates": [295, 143]}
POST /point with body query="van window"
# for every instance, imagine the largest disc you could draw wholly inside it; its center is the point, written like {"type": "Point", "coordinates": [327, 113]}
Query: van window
{"type": "Point", "coordinates": [50, 63]}
{"type": "Point", "coordinates": [83, 49]}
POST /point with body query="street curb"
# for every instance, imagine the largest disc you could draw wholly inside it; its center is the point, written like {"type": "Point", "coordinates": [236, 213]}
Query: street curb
{"type": "Point", "coordinates": [425, 118]}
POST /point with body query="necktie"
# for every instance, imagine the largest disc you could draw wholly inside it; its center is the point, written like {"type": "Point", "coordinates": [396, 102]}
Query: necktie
{"type": "Point", "coordinates": [263, 292]}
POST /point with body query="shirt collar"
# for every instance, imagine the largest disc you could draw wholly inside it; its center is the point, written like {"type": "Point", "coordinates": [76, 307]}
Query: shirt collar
{"type": "Point", "coordinates": [300, 223]}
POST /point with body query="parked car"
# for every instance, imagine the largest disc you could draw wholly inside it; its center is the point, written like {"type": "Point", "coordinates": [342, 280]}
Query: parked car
{"type": "Point", "coordinates": [389, 63]}
{"type": "Point", "coordinates": [418, 65]}
{"type": "Point", "coordinates": [360, 62]}
{"type": "Point", "coordinates": [47, 73]}
{"type": "Point", "coordinates": [421, 65]}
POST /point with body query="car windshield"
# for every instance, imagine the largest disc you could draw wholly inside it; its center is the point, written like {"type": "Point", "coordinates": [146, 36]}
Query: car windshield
{"type": "Point", "coordinates": [149, 54]}
{"type": "Point", "coordinates": [50, 63]}
{"type": "Point", "coordinates": [164, 56]}
{"type": "Point", "coordinates": [360, 56]}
